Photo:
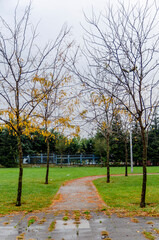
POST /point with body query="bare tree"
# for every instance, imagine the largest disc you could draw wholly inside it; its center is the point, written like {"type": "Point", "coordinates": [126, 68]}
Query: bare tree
{"type": "Point", "coordinates": [101, 110]}
{"type": "Point", "coordinates": [21, 60]}
{"type": "Point", "coordinates": [123, 45]}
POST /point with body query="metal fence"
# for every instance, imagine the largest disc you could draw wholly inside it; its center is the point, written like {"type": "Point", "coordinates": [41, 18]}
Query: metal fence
{"type": "Point", "coordinates": [80, 159]}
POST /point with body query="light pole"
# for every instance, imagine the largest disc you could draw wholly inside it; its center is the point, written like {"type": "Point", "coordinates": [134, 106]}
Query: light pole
{"type": "Point", "coordinates": [131, 150]}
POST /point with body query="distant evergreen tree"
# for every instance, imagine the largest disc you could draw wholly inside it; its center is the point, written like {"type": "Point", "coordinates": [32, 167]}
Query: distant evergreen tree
{"type": "Point", "coordinates": [117, 151]}
{"type": "Point", "coordinates": [8, 148]}
{"type": "Point", "coordinates": [153, 141]}
{"type": "Point", "coordinates": [137, 145]}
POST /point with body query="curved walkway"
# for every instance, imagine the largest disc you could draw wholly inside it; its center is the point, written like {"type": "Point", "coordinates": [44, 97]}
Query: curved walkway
{"type": "Point", "coordinates": [78, 194]}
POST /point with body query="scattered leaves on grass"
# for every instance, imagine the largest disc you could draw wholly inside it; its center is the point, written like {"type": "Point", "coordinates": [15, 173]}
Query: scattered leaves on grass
{"type": "Point", "coordinates": [148, 235]}
{"type": "Point", "coordinates": [106, 238]}
{"type": "Point", "coordinates": [107, 211]}
{"type": "Point", "coordinates": [156, 230]}
{"type": "Point", "coordinates": [135, 220]}
{"type": "Point", "coordinates": [57, 197]}
{"type": "Point", "coordinates": [6, 223]}
{"type": "Point", "coordinates": [87, 215]}
{"type": "Point", "coordinates": [104, 209]}
{"type": "Point", "coordinates": [87, 212]}
{"type": "Point", "coordinates": [77, 213]}
{"type": "Point", "coordinates": [31, 221]}
{"type": "Point", "coordinates": [21, 237]}
{"type": "Point", "coordinates": [41, 221]}
{"type": "Point", "coordinates": [52, 226]}
{"type": "Point", "coordinates": [150, 222]}
{"type": "Point", "coordinates": [104, 233]}
{"type": "Point", "coordinates": [76, 216]}
{"type": "Point", "coordinates": [77, 222]}
{"type": "Point", "coordinates": [65, 218]}
{"type": "Point", "coordinates": [56, 213]}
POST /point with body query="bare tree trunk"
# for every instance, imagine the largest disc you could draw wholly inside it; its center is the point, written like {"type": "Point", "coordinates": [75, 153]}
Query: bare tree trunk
{"type": "Point", "coordinates": [144, 162]}
{"type": "Point", "coordinates": [108, 170]}
{"type": "Point", "coordinates": [19, 194]}
{"type": "Point", "coordinates": [126, 157]}
{"type": "Point", "coordinates": [48, 154]}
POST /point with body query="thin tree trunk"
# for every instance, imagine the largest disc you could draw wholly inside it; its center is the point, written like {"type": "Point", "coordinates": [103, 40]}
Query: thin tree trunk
{"type": "Point", "coordinates": [126, 157]}
{"type": "Point", "coordinates": [144, 162]}
{"type": "Point", "coordinates": [108, 170]}
{"type": "Point", "coordinates": [20, 152]}
{"type": "Point", "coordinates": [48, 154]}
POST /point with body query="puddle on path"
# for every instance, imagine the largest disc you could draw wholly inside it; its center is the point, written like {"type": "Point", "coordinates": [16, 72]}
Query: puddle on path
{"type": "Point", "coordinates": [70, 224]}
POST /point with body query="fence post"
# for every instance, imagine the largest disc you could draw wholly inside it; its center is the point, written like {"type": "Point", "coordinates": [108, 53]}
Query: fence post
{"type": "Point", "coordinates": [81, 158]}
{"type": "Point", "coordinates": [41, 158]}
{"type": "Point", "coordinates": [68, 159]}
{"type": "Point", "coordinates": [93, 159]}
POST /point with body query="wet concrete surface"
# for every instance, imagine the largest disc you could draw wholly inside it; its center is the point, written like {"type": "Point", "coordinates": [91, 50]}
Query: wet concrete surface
{"type": "Point", "coordinates": [80, 204]}
{"type": "Point", "coordinates": [117, 228]}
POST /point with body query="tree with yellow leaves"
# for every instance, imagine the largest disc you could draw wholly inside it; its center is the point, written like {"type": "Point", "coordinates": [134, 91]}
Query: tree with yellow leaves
{"type": "Point", "coordinates": [21, 61]}
{"type": "Point", "coordinates": [52, 112]}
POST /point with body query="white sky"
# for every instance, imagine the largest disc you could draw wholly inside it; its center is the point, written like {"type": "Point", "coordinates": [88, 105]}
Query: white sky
{"type": "Point", "coordinates": [54, 13]}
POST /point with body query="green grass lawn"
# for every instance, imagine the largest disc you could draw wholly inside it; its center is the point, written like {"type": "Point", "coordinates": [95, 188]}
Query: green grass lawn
{"type": "Point", "coordinates": [125, 193]}
{"type": "Point", "coordinates": [36, 195]}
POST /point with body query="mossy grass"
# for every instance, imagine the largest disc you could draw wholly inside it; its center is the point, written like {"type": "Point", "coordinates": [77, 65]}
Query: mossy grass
{"type": "Point", "coordinates": [148, 235]}
{"type": "Point", "coordinates": [52, 226]}
{"type": "Point", "coordinates": [31, 220]}
{"type": "Point", "coordinates": [37, 195]}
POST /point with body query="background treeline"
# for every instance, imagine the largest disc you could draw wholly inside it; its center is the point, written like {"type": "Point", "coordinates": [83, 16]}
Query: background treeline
{"type": "Point", "coordinates": [59, 144]}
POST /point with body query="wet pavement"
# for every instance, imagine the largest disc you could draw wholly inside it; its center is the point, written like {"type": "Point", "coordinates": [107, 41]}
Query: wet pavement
{"type": "Point", "coordinates": [76, 215]}
{"type": "Point", "coordinates": [17, 227]}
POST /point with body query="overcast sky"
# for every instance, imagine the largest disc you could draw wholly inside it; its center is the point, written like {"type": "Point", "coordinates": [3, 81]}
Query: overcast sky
{"type": "Point", "coordinates": [54, 13]}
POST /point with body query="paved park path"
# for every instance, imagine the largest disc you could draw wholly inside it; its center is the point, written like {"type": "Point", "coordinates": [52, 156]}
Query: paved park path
{"type": "Point", "coordinates": [78, 194]}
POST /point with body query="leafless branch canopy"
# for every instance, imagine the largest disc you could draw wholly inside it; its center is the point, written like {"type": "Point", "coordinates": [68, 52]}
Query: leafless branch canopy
{"type": "Point", "coordinates": [121, 51]}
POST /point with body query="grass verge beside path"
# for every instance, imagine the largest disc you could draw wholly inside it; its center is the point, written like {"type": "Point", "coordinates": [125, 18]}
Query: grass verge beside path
{"type": "Point", "coordinates": [37, 195]}
{"type": "Point", "coordinates": [123, 194]}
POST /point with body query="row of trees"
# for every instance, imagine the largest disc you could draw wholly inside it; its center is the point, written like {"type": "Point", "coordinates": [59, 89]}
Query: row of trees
{"type": "Point", "coordinates": [59, 144]}
{"type": "Point", "coordinates": [118, 72]}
